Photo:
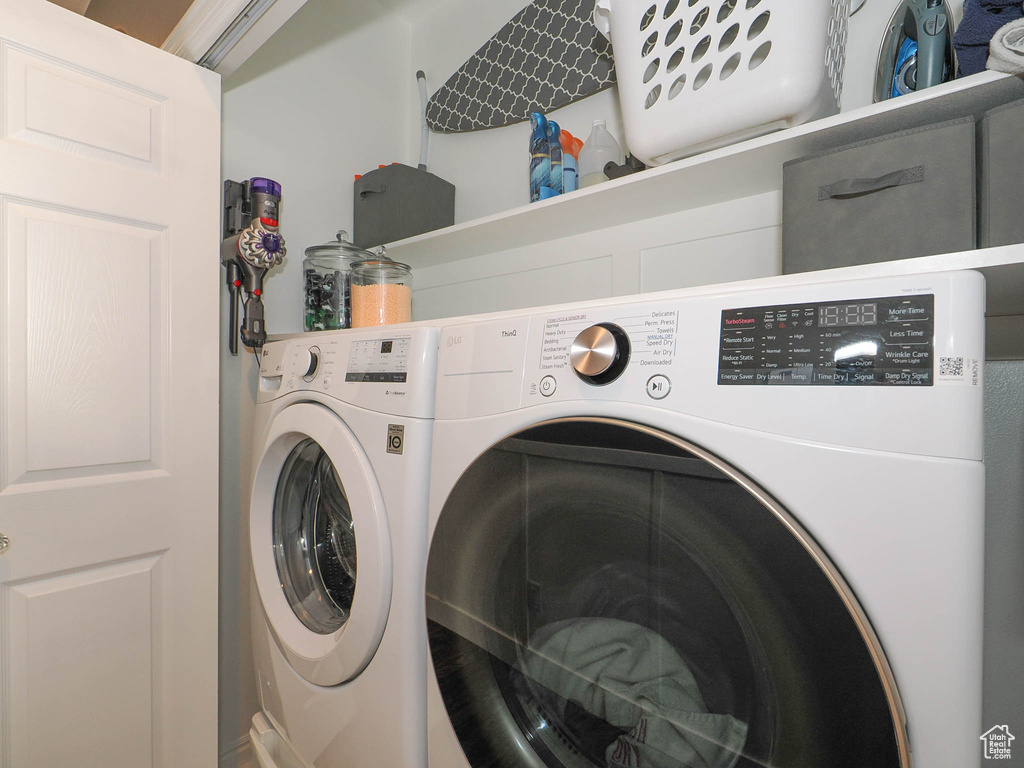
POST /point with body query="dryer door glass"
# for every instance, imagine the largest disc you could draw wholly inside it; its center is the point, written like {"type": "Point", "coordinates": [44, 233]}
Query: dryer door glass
{"type": "Point", "coordinates": [314, 539]}
{"type": "Point", "coordinates": [601, 594]}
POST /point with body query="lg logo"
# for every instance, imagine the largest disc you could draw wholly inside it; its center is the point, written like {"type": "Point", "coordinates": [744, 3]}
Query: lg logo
{"type": "Point", "coordinates": [453, 340]}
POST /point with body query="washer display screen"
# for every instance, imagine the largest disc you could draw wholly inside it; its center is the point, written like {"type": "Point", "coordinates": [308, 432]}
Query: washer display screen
{"type": "Point", "coordinates": [381, 360]}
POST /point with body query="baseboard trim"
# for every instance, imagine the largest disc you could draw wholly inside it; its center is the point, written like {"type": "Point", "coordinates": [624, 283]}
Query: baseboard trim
{"type": "Point", "coordinates": [238, 756]}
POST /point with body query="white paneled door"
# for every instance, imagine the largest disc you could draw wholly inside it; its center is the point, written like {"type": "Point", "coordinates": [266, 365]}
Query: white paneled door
{"type": "Point", "coordinates": [109, 272]}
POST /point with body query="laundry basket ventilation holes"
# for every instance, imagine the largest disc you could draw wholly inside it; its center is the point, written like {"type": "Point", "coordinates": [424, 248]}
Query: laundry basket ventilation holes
{"type": "Point", "coordinates": [693, 74]}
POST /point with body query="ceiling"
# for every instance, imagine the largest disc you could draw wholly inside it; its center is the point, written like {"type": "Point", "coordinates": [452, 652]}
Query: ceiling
{"type": "Point", "coordinates": [149, 20]}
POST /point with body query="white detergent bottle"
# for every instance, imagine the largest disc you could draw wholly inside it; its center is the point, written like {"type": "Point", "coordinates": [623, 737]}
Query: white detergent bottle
{"type": "Point", "coordinates": [599, 149]}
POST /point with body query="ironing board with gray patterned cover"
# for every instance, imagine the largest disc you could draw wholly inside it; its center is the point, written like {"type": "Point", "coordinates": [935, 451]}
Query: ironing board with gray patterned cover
{"type": "Point", "coordinates": [550, 54]}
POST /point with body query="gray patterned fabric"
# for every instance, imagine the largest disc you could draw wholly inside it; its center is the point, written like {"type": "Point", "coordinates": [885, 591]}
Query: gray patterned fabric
{"type": "Point", "coordinates": [550, 54]}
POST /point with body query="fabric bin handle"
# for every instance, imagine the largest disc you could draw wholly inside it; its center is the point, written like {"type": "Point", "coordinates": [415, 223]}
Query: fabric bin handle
{"type": "Point", "coordinates": [379, 188]}
{"type": "Point", "coordinates": [856, 187]}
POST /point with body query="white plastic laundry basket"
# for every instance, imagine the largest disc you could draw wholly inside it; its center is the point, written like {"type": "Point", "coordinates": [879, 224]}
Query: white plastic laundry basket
{"type": "Point", "coordinates": [698, 74]}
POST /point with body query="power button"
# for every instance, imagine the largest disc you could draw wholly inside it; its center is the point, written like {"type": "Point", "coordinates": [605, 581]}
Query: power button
{"type": "Point", "coordinates": [658, 387]}
{"type": "Point", "coordinates": [548, 385]}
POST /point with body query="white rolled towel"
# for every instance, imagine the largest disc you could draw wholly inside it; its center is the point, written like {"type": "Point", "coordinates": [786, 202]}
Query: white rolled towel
{"type": "Point", "coordinates": [1006, 50]}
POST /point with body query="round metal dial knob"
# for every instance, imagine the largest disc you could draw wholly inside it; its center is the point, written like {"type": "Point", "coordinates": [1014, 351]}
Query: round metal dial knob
{"type": "Point", "coordinates": [600, 353]}
{"type": "Point", "coordinates": [314, 363]}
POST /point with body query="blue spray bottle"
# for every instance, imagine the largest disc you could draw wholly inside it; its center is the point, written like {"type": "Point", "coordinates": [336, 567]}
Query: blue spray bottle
{"type": "Point", "coordinates": [555, 152]}
{"type": "Point", "coordinates": [540, 157]}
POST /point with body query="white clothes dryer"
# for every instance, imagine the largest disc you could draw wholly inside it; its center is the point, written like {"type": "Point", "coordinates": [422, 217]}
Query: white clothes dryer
{"type": "Point", "coordinates": [711, 529]}
{"type": "Point", "coordinates": [337, 529]}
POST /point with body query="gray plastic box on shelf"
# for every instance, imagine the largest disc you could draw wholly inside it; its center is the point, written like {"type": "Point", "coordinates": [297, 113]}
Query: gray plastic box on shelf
{"type": "Point", "coordinates": [398, 201]}
{"type": "Point", "coordinates": [899, 196]}
{"type": "Point", "coordinates": [1001, 176]}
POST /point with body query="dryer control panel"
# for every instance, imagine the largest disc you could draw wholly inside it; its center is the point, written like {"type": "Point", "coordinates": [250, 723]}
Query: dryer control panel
{"type": "Point", "coordinates": [856, 362]}
{"type": "Point", "coordinates": [887, 341]}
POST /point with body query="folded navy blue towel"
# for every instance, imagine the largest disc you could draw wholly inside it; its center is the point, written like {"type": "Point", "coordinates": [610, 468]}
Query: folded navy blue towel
{"type": "Point", "coordinates": [982, 19]}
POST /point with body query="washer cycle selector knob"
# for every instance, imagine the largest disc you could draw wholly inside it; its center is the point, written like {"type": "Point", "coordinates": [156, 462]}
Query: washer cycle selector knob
{"type": "Point", "coordinates": [314, 363]}
{"type": "Point", "coordinates": [600, 353]}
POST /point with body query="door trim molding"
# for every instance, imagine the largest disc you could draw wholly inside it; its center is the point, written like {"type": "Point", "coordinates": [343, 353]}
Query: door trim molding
{"type": "Point", "coordinates": [206, 20]}
{"type": "Point", "coordinates": [201, 26]}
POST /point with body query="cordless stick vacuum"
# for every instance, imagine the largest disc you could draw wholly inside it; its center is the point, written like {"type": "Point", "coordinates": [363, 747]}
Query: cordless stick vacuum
{"type": "Point", "coordinates": [252, 246]}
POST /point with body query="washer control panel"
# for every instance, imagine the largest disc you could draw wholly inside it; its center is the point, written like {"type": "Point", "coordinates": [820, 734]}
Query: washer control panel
{"type": "Point", "coordinates": [881, 341]}
{"type": "Point", "coordinates": [394, 373]}
{"type": "Point", "coordinates": [379, 360]}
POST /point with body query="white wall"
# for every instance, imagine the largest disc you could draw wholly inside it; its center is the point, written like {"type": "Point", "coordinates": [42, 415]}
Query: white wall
{"type": "Point", "coordinates": [324, 99]}
{"type": "Point", "coordinates": [737, 240]}
{"type": "Point", "coordinates": [237, 687]}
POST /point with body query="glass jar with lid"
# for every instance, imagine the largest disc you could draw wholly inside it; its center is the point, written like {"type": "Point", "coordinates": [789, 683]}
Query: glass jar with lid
{"type": "Point", "coordinates": [327, 290]}
{"type": "Point", "coordinates": [381, 292]}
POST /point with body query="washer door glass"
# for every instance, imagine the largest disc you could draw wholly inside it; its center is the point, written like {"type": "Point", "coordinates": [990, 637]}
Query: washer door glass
{"type": "Point", "coordinates": [314, 539]}
{"type": "Point", "coordinates": [602, 594]}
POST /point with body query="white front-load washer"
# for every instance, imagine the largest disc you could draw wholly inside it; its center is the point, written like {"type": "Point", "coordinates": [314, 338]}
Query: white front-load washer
{"type": "Point", "coordinates": [337, 529]}
{"type": "Point", "coordinates": [711, 529]}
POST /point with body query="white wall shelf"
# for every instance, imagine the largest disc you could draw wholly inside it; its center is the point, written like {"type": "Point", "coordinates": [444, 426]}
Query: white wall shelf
{"type": "Point", "coordinates": [741, 170]}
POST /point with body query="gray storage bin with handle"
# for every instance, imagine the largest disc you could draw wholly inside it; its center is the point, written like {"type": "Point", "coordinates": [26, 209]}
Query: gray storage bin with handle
{"type": "Point", "coordinates": [899, 196]}
{"type": "Point", "coordinates": [1000, 176]}
{"type": "Point", "coordinates": [398, 201]}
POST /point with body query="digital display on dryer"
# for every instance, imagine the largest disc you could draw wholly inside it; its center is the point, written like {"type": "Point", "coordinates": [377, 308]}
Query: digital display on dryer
{"type": "Point", "coordinates": [843, 315]}
{"type": "Point", "coordinates": [886, 341]}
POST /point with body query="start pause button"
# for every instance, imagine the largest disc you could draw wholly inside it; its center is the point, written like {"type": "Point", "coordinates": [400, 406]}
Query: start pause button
{"type": "Point", "coordinates": [658, 387]}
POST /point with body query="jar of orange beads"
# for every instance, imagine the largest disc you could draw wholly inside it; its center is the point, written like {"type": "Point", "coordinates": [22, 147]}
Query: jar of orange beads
{"type": "Point", "coordinates": [381, 293]}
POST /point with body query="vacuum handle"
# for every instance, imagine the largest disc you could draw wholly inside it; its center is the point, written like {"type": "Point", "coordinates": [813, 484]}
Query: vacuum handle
{"type": "Point", "coordinates": [254, 332]}
{"type": "Point", "coordinates": [857, 187]}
